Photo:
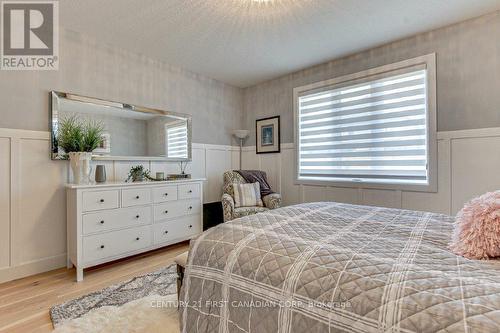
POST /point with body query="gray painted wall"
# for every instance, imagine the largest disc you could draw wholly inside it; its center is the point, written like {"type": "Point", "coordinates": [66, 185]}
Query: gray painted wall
{"type": "Point", "coordinates": [468, 77]}
{"type": "Point", "coordinates": [94, 69]}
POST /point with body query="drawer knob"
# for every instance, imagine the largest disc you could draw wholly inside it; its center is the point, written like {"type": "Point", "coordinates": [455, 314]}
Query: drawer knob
{"type": "Point", "coordinates": [166, 231]}
{"type": "Point", "coordinates": [137, 216]}
{"type": "Point", "coordinates": [102, 246]}
{"type": "Point", "coordinates": [190, 226]}
{"type": "Point", "coordinates": [190, 207]}
{"type": "Point", "coordinates": [166, 194]}
{"type": "Point", "coordinates": [101, 201]}
{"type": "Point", "coordinates": [137, 197]}
{"type": "Point", "coordinates": [137, 238]}
{"type": "Point", "coordinates": [102, 222]}
{"type": "Point", "coordinates": [190, 191]}
{"type": "Point", "coordinates": [166, 212]}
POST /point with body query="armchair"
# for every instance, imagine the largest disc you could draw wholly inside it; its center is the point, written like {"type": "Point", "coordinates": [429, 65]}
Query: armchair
{"type": "Point", "coordinates": [271, 201]}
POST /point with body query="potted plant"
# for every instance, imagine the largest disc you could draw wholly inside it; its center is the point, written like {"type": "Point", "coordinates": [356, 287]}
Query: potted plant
{"type": "Point", "coordinates": [78, 138]}
{"type": "Point", "coordinates": [138, 174]}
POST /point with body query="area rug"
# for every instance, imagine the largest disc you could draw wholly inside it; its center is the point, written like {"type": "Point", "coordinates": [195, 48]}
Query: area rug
{"type": "Point", "coordinates": [145, 303]}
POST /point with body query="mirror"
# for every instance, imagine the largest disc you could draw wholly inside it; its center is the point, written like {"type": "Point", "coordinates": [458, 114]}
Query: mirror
{"type": "Point", "coordinates": [130, 132]}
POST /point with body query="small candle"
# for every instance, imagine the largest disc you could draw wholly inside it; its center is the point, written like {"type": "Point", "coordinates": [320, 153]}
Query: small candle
{"type": "Point", "coordinates": [160, 175]}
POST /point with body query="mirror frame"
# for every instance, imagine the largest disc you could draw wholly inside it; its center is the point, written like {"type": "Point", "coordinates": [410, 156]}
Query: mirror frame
{"type": "Point", "coordinates": [53, 98]}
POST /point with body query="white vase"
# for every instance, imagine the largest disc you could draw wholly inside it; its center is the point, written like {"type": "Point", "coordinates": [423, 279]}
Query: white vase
{"type": "Point", "coordinates": [80, 163]}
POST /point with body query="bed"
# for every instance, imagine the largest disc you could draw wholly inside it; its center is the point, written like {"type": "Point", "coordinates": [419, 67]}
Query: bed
{"type": "Point", "coordinates": [332, 267]}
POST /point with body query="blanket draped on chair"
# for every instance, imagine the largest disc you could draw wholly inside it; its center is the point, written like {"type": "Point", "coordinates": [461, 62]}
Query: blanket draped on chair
{"type": "Point", "coordinates": [253, 176]}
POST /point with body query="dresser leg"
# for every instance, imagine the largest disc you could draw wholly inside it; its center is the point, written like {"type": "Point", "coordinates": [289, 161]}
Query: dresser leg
{"type": "Point", "coordinates": [69, 264]}
{"type": "Point", "coordinates": [79, 274]}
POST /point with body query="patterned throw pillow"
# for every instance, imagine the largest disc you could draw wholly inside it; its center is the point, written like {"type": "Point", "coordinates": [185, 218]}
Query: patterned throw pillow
{"type": "Point", "coordinates": [247, 195]}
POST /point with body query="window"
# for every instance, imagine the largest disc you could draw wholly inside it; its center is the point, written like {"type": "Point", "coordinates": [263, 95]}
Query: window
{"type": "Point", "coordinates": [375, 128]}
{"type": "Point", "coordinates": [177, 143]}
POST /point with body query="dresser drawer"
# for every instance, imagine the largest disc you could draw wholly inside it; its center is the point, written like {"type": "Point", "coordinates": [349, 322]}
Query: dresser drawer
{"type": "Point", "coordinates": [166, 210]}
{"type": "Point", "coordinates": [136, 197]}
{"type": "Point", "coordinates": [188, 207]}
{"type": "Point", "coordinates": [181, 228]}
{"type": "Point", "coordinates": [115, 243]}
{"type": "Point", "coordinates": [174, 209]}
{"type": "Point", "coordinates": [189, 191]}
{"type": "Point", "coordinates": [164, 193]}
{"type": "Point", "coordinates": [97, 200]}
{"type": "Point", "coordinates": [116, 219]}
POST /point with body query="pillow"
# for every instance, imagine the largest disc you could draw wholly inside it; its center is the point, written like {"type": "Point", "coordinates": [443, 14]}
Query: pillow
{"type": "Point", "coordinates": [477, 228]}
{"type": "Point", "coordinates": [247, 195]}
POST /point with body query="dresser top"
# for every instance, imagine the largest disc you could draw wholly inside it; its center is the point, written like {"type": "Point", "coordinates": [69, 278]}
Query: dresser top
{"type": "Point", "coordinates": [130, 184]}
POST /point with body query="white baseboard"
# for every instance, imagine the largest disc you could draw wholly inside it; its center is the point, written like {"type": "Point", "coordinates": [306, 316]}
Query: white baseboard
{"type": "Point", "coordinates": [32, 268]}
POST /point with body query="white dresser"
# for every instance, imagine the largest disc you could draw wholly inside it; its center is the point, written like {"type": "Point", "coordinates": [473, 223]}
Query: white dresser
{"type": "Point", "coordinates": [115, 220]}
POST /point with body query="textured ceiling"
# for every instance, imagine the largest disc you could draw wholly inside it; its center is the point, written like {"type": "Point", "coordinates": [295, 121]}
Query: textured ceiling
{"type": "Point", "coordinates": [244, 42]}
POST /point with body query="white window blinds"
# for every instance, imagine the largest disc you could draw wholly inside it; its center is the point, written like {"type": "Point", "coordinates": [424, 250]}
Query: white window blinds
{"type": "Point", "coordinates": [374, 131]}
{"type": "Point", "coordinates": [177, 145]}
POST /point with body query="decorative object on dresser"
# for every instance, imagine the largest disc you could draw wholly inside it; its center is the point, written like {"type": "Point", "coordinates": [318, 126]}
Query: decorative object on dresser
{"type": "Point", "coordinates": [138, 174]}
{"type": "Point", "coordinates": [109, 221]}
{"type": "Point", "coordinates": [241, 135]}
{"type": "Point", "coordinates": [175, 176]}
{"type": "Point", "coordinates": [100, 173]}
{"type": "Point", "coordinates": [271, 201]}
{"type": "Point", "coordinates": [267, 135]}
{"type": "Point", "coordinates": [78, 138]}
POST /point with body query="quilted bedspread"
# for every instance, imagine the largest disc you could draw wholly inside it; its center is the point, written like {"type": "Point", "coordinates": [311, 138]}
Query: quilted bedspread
{"type": "Point", "coordinates": [331, 267]}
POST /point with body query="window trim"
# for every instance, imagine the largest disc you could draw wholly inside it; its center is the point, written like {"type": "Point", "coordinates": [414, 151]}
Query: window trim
{"type": "Point", "coordinates": [429, 61]}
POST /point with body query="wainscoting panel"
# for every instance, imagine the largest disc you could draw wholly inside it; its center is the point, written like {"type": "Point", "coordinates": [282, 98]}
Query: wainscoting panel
{"type": "Point", "coordinates": [475, 167]}
{"type": "Point", "coordinates": [272, 167]}
{"type": "Point", "coordinates": [384, 198]}
{"type": "Point", "coordinates": [438, 202]}
{"type": "Point", "coordinates": [4, 202]}
{"type": "Point", "coordinates": [217, 161]}
{"type": "Point", "coordinates": [41, 200]}
{"type": "Point", "coordinates": [342, 194]}
{"type": "Point", "coordinates": [468, 164]}
{"type": "Point", "coordinates": [33, 199]}
{"type": "Point", "coordinates": [290, 193]}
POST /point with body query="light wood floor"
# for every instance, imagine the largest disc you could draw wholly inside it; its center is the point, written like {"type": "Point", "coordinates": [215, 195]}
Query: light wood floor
{"type": "Point", "coordinates": [25, 303]}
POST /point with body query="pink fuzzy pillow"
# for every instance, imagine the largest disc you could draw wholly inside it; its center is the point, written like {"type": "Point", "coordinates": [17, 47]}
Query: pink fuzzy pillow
{"type": "Point", "coordinates": [477, 228]}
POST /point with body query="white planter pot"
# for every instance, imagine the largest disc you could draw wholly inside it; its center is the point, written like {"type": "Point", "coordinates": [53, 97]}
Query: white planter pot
{"type": "Point", "coordinates": [80, 163]}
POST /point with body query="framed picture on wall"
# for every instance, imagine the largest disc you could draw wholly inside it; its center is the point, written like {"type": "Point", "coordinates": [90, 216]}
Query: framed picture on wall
{"type": "Point", "coordinates": [267, 135]}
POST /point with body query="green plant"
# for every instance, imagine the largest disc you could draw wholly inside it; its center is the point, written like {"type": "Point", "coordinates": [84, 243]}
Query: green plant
{"type": "Point", "coordinates": [92, 136]}
{"type": "Point", "coordinates": [77, 135]}
{"type": "Point", "coordinates": [137, 173]}
{"type": "Point", "coordinates": [70, 135]}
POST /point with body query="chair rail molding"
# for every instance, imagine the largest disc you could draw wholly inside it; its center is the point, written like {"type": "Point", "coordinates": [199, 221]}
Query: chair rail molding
{"type": "Point", "coordinates": [33, 199]}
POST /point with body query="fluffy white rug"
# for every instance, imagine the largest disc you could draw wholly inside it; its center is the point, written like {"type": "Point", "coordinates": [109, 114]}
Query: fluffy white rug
{"type": "Point", "coordinates": [150, 314]}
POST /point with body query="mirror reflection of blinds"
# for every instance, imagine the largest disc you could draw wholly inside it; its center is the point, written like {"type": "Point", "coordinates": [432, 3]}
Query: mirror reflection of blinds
{"type": "Point", "coordinates": [177, 146]}
{"type": "Point", "coordinates": [375, 131]}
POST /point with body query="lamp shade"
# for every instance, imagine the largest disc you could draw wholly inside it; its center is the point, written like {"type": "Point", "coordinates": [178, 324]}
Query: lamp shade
{"type": "Point", "coordinates": [240, 134]}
